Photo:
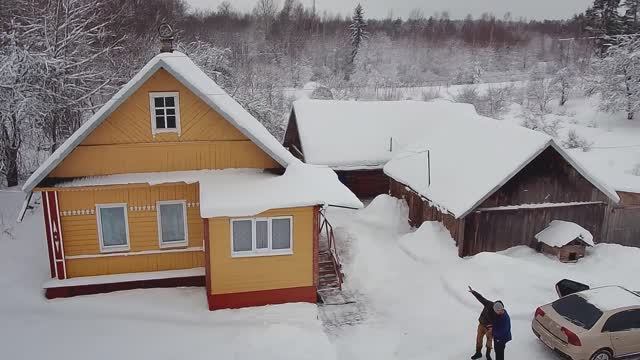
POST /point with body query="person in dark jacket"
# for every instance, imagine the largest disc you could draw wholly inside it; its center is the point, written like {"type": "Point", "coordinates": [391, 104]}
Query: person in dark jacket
{"type": "Point", "coordinates": [494, 323]}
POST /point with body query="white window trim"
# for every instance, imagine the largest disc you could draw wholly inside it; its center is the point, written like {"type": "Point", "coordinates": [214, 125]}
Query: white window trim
{"type": "Point", "coordinates": [261, 252]}
{"type": "Point", "coordinates": [152, 112]}
{"type": "Point", "coordinates": [113, 248]}
{"type": "Point", "coordinates": [172, 244]}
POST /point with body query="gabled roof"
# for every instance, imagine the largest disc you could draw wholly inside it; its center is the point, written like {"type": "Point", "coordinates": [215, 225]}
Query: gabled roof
{"type": "Point", "coordinates": [190, 75]}
{"type": "Point", "coordinates": [560, 233]}
{"type": "Point", "coordinates": [469, 158]}
{"type": "Point", "coordinates": [348, 135]}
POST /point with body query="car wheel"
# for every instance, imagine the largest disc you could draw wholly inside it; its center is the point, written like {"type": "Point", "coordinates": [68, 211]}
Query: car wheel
{"type": "Point", "coordinates": [602, 355]}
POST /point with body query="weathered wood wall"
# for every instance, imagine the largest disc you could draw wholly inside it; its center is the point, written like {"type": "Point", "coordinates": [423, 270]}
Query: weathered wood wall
{"type": "Point", "coordinates": [501, 229]}
{"type": "Point", "coordinates": [622, 221]}
{"type": "Point", "coordinates": [420, 210]}
{"type": "Point", "coordinates": [292, 138]}
{"type": "Point", "coordinates": [365, 183]}
{"type": "Point", "coordinates": [549, 178]}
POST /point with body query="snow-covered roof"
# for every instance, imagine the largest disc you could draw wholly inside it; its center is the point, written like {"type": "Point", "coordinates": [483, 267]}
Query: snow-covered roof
{"type": "Point", "coordinates": [609, 298]}
{"type": "Point", "coordinates": [560, 233]}
{"type": "Point", "coordinates": [246, 192]}
{"type": "Point", "coordinates": [366, 134]}
{"type": "Point", "coordinates": [470, 157]}
{"type": "Point", "coordinates": [189, 74]}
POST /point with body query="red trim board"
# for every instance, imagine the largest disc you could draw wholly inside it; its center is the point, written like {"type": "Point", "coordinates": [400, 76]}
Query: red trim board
{"type": "Point", "coordinates": [260, 298]}
{"type": "Point", "coordinates": [69, 291]}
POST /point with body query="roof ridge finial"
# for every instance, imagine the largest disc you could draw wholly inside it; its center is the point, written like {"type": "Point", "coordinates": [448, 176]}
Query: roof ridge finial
{"type": "Point", "coordinates": [166, 37]}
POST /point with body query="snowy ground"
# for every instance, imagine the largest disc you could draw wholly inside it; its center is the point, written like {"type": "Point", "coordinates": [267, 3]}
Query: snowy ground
{"type": "Point", "coordinates": [137, 324]}
{"type": "Point", "coordinates": [414, 287]}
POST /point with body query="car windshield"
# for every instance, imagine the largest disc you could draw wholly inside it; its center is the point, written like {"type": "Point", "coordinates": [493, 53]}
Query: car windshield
{"type": "Point", "coordinates": [577, 310]}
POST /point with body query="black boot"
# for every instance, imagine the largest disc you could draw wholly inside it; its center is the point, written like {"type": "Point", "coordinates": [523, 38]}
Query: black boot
{"type": "Point", "coordinates": [477, 355]}
{"type": "Point", "coordinates": [489, 354]}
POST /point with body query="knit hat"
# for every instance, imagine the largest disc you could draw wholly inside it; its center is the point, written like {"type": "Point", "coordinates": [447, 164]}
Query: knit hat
{"type": "Point", "coordinates": [498, 306]}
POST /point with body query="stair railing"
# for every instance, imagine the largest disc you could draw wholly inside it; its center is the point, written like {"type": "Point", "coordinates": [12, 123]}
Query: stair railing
{"type": "Point", "coordinates": [328, 229]}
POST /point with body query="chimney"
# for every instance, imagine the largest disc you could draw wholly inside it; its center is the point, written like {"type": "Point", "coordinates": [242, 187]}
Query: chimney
{"type": "Point", "coordinates": [166, 37]}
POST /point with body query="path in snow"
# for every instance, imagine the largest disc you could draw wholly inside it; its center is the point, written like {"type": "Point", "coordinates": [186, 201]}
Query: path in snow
{"type": "Point", "coordinates": [414, 287]}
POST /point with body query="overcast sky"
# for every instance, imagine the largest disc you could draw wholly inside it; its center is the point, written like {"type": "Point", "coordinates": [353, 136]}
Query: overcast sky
{"type": "Point", "coordinates": [530, 9]}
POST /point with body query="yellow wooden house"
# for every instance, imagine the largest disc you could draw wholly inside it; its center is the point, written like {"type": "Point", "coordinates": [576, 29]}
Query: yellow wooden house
{"type": "Point", "coordinates": [173, 183]}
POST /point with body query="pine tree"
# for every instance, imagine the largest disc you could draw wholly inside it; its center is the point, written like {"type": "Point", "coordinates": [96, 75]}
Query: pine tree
{"type": "Point", "coordinates": [631, 16]}
{"type": "Point", "coordinates": [603, 18]}
{"type": "Point", "coordinates": [358, 30]}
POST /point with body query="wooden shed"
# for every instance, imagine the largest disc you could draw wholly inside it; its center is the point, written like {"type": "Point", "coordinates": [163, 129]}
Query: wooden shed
{"type": "Point", "coordinates": [357, 138]}
{"type": "Point", "coordinates": [495, 185]}
{"type": "Point", "coordinates": [566, 240]}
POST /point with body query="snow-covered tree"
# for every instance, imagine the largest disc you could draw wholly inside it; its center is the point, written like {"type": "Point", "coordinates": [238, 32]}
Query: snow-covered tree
{"type": "Point", "coordinates": [631, 16]}
{"type": "Point", "coordinates": [562, 81]}
{"type": "Point", "coordinates": [358, 29]}
{"type": "Point", "coordinates": [539, 92]}
{"type": "Point", "coordinates": [616, 78]}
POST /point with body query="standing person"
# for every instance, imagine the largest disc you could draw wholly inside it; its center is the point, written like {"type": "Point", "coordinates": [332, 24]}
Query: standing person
{"type": "Point", "coordinates": [501, 329]}
{"type": "Point", "coordinates": [492, 311]}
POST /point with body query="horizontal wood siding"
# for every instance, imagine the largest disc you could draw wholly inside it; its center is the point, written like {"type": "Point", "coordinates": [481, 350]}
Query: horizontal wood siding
{"type": "Point", "coordinates": [134, 263]}
{"type": "Point", "coordinates": [365, 183]}
{"type": "Point", "coordinates": [247, 274]}
{"type": "Point", "coordinates": [500, 230]}
{"type": "Point", "coordinates": [161, 157]}
{"type": "Point", "coordinates": [549, 178]}
{"type": "Point", "coordinates": [622, 221]}
{"type": "Point", "coordinates": [80, 228]}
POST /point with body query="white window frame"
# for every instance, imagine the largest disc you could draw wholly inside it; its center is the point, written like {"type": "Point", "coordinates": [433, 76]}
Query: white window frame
{"type": "Point", "coordinates": [172, 244]}
{"type": "Point", "coordinates": [152, 112]}
{"type": "Point", "coordinates": [261, 252]}
{"type": "Point", "coordinates": [113, 248]}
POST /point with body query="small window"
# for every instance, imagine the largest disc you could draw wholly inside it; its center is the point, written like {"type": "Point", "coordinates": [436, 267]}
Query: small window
{"type": "Point", "coordinates": [113, 227]}
{"type": "Point", "coordinates": [172, 223]}
{"type": "Point", "coordinates": [261, 236]}
{"type": "Point", "coordinates": [165, 112]}
{"type": "Point", "coordinates": [623, 321]}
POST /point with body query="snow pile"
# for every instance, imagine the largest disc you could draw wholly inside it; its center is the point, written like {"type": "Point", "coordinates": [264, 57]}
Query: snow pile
{"type": "Point", "coordinates": [559, 233]}
{"type": "Point", "coordinates": [430, 244]}
{"type": "Point", "coordinates": [366, 134]}
{"type": "Point", "coordinates": [610, 298]}
{"type": "Point", "coordinates": [387, 211]}
{"type": "Point", "coordinates": [188, 73]}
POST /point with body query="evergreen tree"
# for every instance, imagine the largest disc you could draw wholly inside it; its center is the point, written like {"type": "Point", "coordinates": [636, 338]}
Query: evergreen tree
{"type": "Point", "coordinates": [358, 30]}
{"type": "Point", "coordinates": [631, 16]}
{"type": "Point", "coordinates": [604, 19]}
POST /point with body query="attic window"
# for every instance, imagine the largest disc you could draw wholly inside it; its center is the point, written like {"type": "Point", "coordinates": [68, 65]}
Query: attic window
{"type": "Point", "coordinates": [165, 112]}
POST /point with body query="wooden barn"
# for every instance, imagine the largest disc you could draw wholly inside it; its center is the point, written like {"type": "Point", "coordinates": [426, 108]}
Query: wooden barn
{"type": "Point", "coordinates": [495, 185]}
{"type": "Point", "coordinates": [357, 138]}
{"type": "Point", "coordinates": [173, 183]}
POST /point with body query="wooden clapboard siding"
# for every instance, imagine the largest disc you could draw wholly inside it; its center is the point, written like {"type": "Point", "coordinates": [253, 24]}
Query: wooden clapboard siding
{"type": "Point", "coordinates": [132, 158]}
{"type": "Point", "coordinates": [500, 230]}
{"type": "Point", "coordinates": [247, 274]}
{"type": "Point", "coordinates": [124, 142]}
{"type": "Point", "coordinates": [549, 178]}
{"type": "Point", "coordinates": [131, 122]}
{"type": "Point", "coordinates": [621, 225]}
{"type": "Point", "coordinates": [80, 230]}
{"type": "Point", "coordinates": [134, 263]}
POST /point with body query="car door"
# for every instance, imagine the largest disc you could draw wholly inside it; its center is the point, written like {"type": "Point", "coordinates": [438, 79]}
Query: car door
{"type": "Point", "coordinates": [624, 330]}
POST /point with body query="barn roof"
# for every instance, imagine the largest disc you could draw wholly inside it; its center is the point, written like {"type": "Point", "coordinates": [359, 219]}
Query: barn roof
{"type": "Point", "coordinates": [349, 135]}
{"type": "Point", "coordinates": [188, 73]}
{"type": "Point", "coordinates": [560, 233]}
{"type": "Point", "coordinates": [460, 161]}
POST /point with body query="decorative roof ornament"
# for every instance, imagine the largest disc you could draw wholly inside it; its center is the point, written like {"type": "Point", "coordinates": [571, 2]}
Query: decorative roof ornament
{"type": "Point", "coordinates": [166, 37]}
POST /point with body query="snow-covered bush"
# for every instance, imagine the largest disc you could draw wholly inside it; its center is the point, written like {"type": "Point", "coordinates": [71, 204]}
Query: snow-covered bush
{"type": "Point", "coordinates": [495, 101]}
{"type": "Point", "coordinates": [468, 95]}
{"type": "Point", "coordinates": [636, 170]}
{"type": "Point", "coordinates": [575, 141]}
{"type": "Point", "coordinates": [540, 122]}
{"type": "Point", "coordinates": [322, 93]}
